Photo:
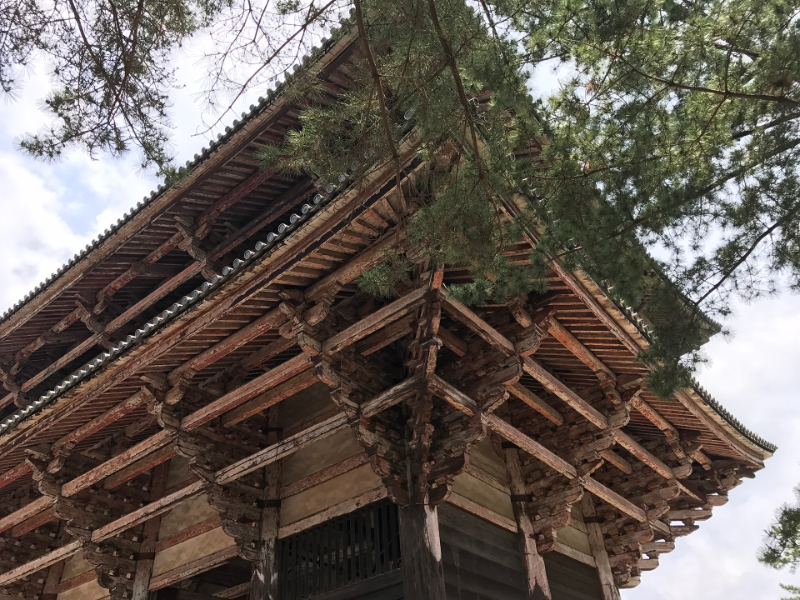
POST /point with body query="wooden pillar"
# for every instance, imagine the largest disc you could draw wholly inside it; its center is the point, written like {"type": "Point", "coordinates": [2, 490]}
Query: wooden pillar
{"type": "Point", "coordinates": [264, 579]}
{"type": "Point", "coordinates": [147, 549]}
{"type": "Point", "coordinates": [610, 591]}
{"type": "Point", "coordinates": [421, 552]}
{"type": "Point", "coordinates": [536, 575]}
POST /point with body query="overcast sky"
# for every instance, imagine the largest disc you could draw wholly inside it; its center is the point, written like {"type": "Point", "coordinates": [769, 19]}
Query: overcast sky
{"type": "Point", "coordinates": [48, 212]}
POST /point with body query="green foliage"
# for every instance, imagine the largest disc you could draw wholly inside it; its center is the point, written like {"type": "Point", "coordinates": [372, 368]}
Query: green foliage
{"type": "Point", "coordinates": [678, 133]}
{"type": "Point", "coordinates": [795, 591]}
{"type": "Point", "coordinates": [782, 544]}
{"type": "Point", "coordinates": [382, 280]}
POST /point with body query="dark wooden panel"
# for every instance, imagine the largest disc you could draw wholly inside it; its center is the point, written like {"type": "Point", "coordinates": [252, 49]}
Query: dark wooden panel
{"type": "Point", "coordinates": [482, 562]}
{"type": "Point", "coordinates": [570, 579]}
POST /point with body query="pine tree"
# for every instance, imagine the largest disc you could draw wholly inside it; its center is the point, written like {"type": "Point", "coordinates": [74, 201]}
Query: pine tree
{"type": "Point", "coordinates": [676, 136]}
{"type": "Point", "coordinates": [782, 544]}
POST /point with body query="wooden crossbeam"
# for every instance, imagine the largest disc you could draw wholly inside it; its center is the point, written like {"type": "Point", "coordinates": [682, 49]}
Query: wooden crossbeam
{"type": "Point", "coordinates": [142, 465]}
{"type": "Point", "coordinates": [26, 512]}
{"type": "Point", "coordinates": [157, 294]}
{"type": "Point", "coordinates": [273, 318]}
{"type": "Point", "coordinates": [576, 347]}
{"type": "Point", "coordinates": [148, 511]}
{"type": "Point", "coordinates": [275, 209]}
{"type": "Point", "coordinates": [529, 445]}
{"type": "Point", "coordinates": [468, 317]}
{"type": "Point", "coordinates": [536, 403]}
{"type": "Point", "coordinates": [269, 398]}
{"type": "Point", "coordinates": [536, 370]}
{"type": "Point", "coordinates": [377, 320]}
{"type": "Point", "coordinates": [131, 455]}
{"type": "Point", "coordinates": [15, 473]}
{"type": "Point", "coordinates": [279, 374]}
{"type": "Point", "coordinates": [390, 397]}
{"type": "Point", "coordinates": [37, 564]}
{"type": "Point", "coordinates": [614, 499]}
{"type": "Point", "coordinates": [34, 522]}
{"type": "Point", "coordinates": [643, 454]}
{"type": "Point", "coordinates": [282, 449]}
{"type": "Point", "coordinates": [453, 396]}
{"type": "Point", "coordinates": [615, 459]}
{"type": "Point", "coordinates": [141, 397]}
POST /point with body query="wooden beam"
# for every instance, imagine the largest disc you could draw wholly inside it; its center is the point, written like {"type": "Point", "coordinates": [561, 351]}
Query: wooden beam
{"type": "Point", "coordinates": [37, 564]}
{"type": "Point", "coordinates": [342, 508]}
{"type": "Point", "coordinates": [273, 318]}
{"type": "Point", "coordinates": [157, 294]}
{"type": "Point", "coordinates": [453, 396]}
{"type": "Point", "coordinates": [142, 465]}
{"type": "Point", "coordinates": [643, 454]}
{"type": "Point", "coordinates": [153, 509]}
{"type": "Point", "coordinates": [131, 455]}
{"type": "Point", "coordinates": [614, 499]}
{"type": "Point", "coordinates": [26, 512]}
{"type": "Point", "coordinates": [377, 320]}
{"type": "Point", "coordinates": [538, 586]}
{"type": "Point", "coordinates": [189, 570]}
{"type": "Point", "coordinates": [536, 403]}
{"type": "Point", "coordinates": [269, 398]}
{"type": "Point", "coordinates": [62, 361]}
{"type": "Point", "coordinates": [390, 397]}
{"type": "Point", "coordinates": [236, 194]}
{"type": "Point", "coordinates": [488, 333]}
{"type": "Point", "coordinates": [279, 374]}
{"type": "Point", "coordinates": [597, 545]}
{"type": "Point", "coordinates": [581, 352]}
{"type": "Point", "coordinates": [536, 370]}
{"type": "Point", "coordinates": [15, 473]}
{"type": "Point", "coordinates": [366, 259]}
{"type": "Point", "coordinates": [278, 451]}
{"type": "Point", "coordinates": [326, 474]}
{"type": "Point", "coordinates": [420, 547]}
{"type": "Point", "coordinates": [615, 459]}
{"type": "Point", "coordinates": [34, 522]}
{"type": "Point", "coordinates": [532, 447]}
{"type": "Point", "coordinates": [450, 340]}
{"type": "Point", "coordinates": [143, 396]}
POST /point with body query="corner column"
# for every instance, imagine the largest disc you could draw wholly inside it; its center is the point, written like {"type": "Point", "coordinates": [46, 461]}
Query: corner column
{"type": "Point", "coordinates": [264, 580]}
{"type": "Point", "coordinates": [610, 591]}
{"type": "Point", "coordinates": [423, 573]}
{"type": "Point", "coordinates": [536, 575]}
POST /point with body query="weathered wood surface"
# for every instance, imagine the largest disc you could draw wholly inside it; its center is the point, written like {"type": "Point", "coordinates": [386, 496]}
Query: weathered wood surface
{"type": "Point", "coordinates": [597, 545]}
{"type": "Point", "coordinates": [536, 575]}
{"type": "Point", "coordinates": [42, 562]}
{"type": "Point", "coordinates": [264, 579]}
{"type": "Point", "coordinates": [423, 572]}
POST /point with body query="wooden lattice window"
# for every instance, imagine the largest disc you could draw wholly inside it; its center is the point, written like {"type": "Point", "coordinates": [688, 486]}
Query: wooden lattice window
{"type": "Point", "coordinates": [341, 552]}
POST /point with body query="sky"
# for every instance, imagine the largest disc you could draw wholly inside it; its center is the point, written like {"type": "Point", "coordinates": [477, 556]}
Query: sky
{"type": "Point", "coordinates": [48, 212]}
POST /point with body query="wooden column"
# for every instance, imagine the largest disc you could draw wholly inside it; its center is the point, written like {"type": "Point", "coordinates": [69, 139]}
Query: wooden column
{"type": "Point", "coordinates": [147, 549]}
{"type": "Point", "coordinates": [536, 575]}
{"type": "Point", "coordinates": [264, 580]}
{"type": "Point", "coordinates": [610, 591]}
{"type": "Point", "coordinates": [421, 551]}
